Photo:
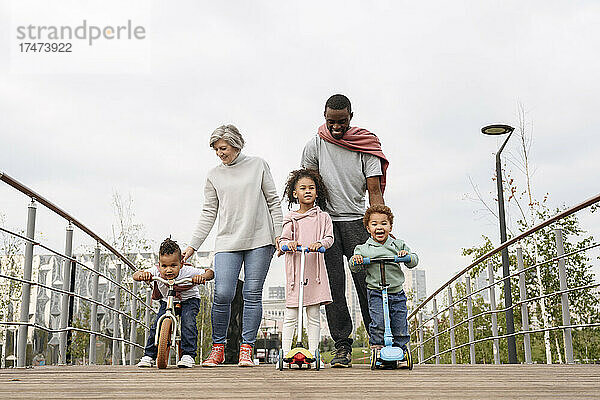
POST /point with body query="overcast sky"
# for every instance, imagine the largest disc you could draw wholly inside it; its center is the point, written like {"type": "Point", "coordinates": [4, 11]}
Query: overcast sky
{"type": "Point", "coordinates": [424, 76]}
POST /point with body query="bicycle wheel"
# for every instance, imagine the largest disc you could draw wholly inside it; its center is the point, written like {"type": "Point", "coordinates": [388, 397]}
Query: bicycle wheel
{"type": "Point", "coordinates": [164, 342]}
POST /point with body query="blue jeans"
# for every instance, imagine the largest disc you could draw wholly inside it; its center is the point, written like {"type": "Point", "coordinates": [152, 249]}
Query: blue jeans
{"type": "Point", "coordinates": [398, 314]}
{"type": "Point", "coordinates": [227, 270]}
{"type": "Point", "coordinates": [189, 330]}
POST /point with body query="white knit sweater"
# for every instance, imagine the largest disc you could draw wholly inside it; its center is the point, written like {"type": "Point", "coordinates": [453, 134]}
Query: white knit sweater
{"type": "Point", "coordinates": [243, 195]}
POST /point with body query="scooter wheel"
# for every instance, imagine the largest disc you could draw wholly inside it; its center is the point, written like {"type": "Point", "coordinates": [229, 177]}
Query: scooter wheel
{"type": "Point", "coordinates": [409, 361]}
{"type": "Point", "coordinates": [373, 358]}
{"type": "Point", "coordinates": [317, 360]}
{"type": "Point", "coordinates": [280, 361]}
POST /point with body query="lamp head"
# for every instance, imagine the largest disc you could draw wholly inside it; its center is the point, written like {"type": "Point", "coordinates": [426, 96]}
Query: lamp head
{"type": "Point", "coordinates": [497, 129]}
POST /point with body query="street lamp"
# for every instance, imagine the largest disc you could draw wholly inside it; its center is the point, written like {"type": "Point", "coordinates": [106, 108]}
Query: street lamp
{"type": "Point", "coordinates": [495, 130]}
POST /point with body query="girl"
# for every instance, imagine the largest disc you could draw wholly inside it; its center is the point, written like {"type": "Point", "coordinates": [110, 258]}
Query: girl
{"type": "Point", "coordinates": [309, 227]}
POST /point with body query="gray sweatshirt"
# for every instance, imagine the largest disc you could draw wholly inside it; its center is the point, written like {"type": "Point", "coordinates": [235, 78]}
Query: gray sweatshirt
{"type": "Point", "coordinates": [243, 195]}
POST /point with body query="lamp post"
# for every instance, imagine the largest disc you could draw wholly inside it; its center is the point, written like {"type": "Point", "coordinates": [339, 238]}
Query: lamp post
{"type": "Point", "coordinates": [495, 130]}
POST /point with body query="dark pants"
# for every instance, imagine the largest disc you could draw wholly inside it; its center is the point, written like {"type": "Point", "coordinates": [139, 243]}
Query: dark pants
{"type": "Point", "coordinates": [398, 323]}
{"type": "Point", "coordinates": [189, 330]}
{"type": "Point", "coordinates": [347, 234]}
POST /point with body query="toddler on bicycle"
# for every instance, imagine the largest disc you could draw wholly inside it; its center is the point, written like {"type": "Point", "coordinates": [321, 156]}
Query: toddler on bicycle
{"type": "Point", "coordinates": [171, 267]}
{"type": "Point", "coordinates": [378, 221]}
{"type": "Point", "coordinates": [310, 227]}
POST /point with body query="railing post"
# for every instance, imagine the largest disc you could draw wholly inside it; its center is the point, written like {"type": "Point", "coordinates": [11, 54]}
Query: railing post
{"type": "Point", "coordinates": [492, 292]}
{"type": "Point", "coordinates": [435, 332]}
{"type": "Point", "coordinates": [133, 325]}
{"type": "Point", "coordinates": [115, 343]}
{"type": "Point", "coordinates": [94, 310]}
{"type": "Point", "coordinates": [470, 315]}
{"type": "Point", "coordinates": [26, 288]}
{"type": "Point", "coordinates": [564, 297]}
{"type": "Point", "coordinates": [451, 321]}
{"type": "Point", "coordinates": [147, 317]}
{"type": "Point", "coordinates": [420, 322]}
{"type": "Point", "coordinates": [64, 310]}
{"type": "Point", "coordinates": [524, 310]}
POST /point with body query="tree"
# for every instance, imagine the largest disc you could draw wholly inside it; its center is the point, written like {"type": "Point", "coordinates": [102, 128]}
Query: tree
{"type": "Point", "coordinates": [11, 265]}
{"type": "Point", "coordinates": [361, 338]}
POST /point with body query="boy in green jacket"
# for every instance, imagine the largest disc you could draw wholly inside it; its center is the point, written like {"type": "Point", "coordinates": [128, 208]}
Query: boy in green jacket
{"type": "Point", "coordinates": [378, 220]}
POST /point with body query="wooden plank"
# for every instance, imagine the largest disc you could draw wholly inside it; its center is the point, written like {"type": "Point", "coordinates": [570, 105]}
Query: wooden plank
{"type": "Point", "coordinates": [430, 381]}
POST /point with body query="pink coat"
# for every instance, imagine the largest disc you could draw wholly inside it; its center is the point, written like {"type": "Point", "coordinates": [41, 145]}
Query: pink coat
{"type": "Point", "coordinates": [313, 226]}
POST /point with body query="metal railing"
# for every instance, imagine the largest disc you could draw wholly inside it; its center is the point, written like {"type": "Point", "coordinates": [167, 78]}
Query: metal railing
{"type": "Point", "coordinates": [138, 303]}
{"type": "Point", "coordinates": [421, 323]}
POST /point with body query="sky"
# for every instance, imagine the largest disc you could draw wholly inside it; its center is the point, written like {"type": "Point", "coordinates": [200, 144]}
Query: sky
{"type": "Point", "coordinates": [134, 117]}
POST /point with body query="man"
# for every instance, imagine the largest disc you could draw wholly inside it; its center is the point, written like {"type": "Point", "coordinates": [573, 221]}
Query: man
{"type": "Point", "coordinates": [351, 162]}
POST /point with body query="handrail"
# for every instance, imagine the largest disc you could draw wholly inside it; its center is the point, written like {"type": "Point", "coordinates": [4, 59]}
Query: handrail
{"type": "Point", "coordinates": [506, 244]}
{"type": "Point", "coordinates": [41, 199]}
{"type": "Point", "coordinates": [74, 260]}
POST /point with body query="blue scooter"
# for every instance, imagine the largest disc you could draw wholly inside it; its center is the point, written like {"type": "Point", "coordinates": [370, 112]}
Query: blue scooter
{"type": "Point", "coordinates": [299, 355]}
{"type": "Point", "coordinates": [388, 356]}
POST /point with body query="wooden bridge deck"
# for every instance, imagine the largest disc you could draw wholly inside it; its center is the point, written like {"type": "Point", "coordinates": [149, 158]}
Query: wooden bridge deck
{"type": "Point", "coordinates": [231, 382]}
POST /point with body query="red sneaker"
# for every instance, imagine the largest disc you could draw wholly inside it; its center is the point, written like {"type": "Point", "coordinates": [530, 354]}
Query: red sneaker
{"type": "Point", "coordinates": [245, 356]}
{"type": "Point", "coordinates": [216, 356]}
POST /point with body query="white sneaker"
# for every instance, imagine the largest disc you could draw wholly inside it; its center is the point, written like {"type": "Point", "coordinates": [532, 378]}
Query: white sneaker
{"type": "Point", "coordinates": [146, 362]}
{"type": "Point", "coordinates": [186, 362]}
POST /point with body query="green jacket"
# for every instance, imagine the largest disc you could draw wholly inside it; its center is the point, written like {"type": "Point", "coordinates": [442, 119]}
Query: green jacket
{"type": "Point", "coordinates": [393, 273]}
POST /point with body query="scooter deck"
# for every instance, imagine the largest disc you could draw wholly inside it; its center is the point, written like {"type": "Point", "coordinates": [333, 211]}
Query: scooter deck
{"type": "Point", "coordinates": [299, 355]}
{"type": "Point", "coordinates": [390, 353]}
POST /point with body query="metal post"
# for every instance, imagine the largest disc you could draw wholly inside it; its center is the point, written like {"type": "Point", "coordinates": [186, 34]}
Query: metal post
{"type": "Point", "coordinates": [470, 315]}
{"type": "Point", "coordinates": [94, 310]}
{"type": "Point", "coordinates": [564, 297]}
{"type": "Point", "coordinates": [420, 322]}
{"type": "Point", "coordinates": [451, 321]}
{"type": "Point", "coordinates": [492, 292]}
{"type": "Point", "coordinates": [71, 309]}
{"type": "Point", "coordinates": [64, 310]}
{"type": "Point", "coordinates": [435, 332]}
{"type": "Point", "coordinates": [510, 323]}
{"type": "Point", "coordinates": [26, 288]}
{"type": "Point", "coordinates": [115, 343]}
{"type": "Point", "coordinates": [147, 317]}
{"type": "Point", "coordinates": [133, 325]}
{"type": "Point", "coordinates": [524, 311]}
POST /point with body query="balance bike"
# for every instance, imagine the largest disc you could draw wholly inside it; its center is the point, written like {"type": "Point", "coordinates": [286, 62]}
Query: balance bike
{"type": "Point", "coordinates": [388, 356]}
{"type": "Point", "coordinates": [168, 326]}
{"type": "Point", "coordinates": [299, 355]}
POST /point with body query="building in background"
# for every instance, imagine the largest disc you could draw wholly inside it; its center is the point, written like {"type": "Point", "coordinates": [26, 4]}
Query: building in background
{"type": "Point", "coordinates": [414, 286]}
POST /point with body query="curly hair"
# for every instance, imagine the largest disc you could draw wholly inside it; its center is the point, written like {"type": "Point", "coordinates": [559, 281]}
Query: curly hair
{"type": "Point", "coordinates": [378, 209]}
{"type": "Point", "coordinates": [295, 176]}
{"type": "Point", "coordinates": [168, 247]}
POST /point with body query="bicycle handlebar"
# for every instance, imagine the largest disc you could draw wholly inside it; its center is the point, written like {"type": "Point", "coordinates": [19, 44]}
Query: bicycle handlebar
{"type": "Point", "coordinates": [396, 259]}
{"type": "Point", "coordinates": [300, 248]}
{"type": "Point", "coordinates": [170, 282]}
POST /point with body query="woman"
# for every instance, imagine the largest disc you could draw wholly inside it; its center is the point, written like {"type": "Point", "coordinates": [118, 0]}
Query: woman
{"type": "Point", "coordinates": [241, 192]}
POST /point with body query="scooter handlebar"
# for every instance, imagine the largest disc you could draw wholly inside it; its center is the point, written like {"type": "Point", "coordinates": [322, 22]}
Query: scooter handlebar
{"type": "Point", "coordinates": [299, 248]}
{"type": "Point", "coordinates": [396, 259]}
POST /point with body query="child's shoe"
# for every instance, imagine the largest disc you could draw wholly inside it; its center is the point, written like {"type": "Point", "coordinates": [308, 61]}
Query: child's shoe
{"type": "Point", "coordinates": [246, 356]}
{"type": "Point", "coordinates": [186, 362]}
{"type": "Point", "coordinates": [146, 362]}
{"type": "Point", "coordinates": [216, 356]}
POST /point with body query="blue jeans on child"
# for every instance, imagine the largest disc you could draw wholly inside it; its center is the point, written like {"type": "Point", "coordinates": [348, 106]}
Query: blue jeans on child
{"type": "Point", "coordinates": [189, 331]}
{"type": "Point", "coordinates": [227, 270]}
{"type": "Point", "coordinates": [398, 314]}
